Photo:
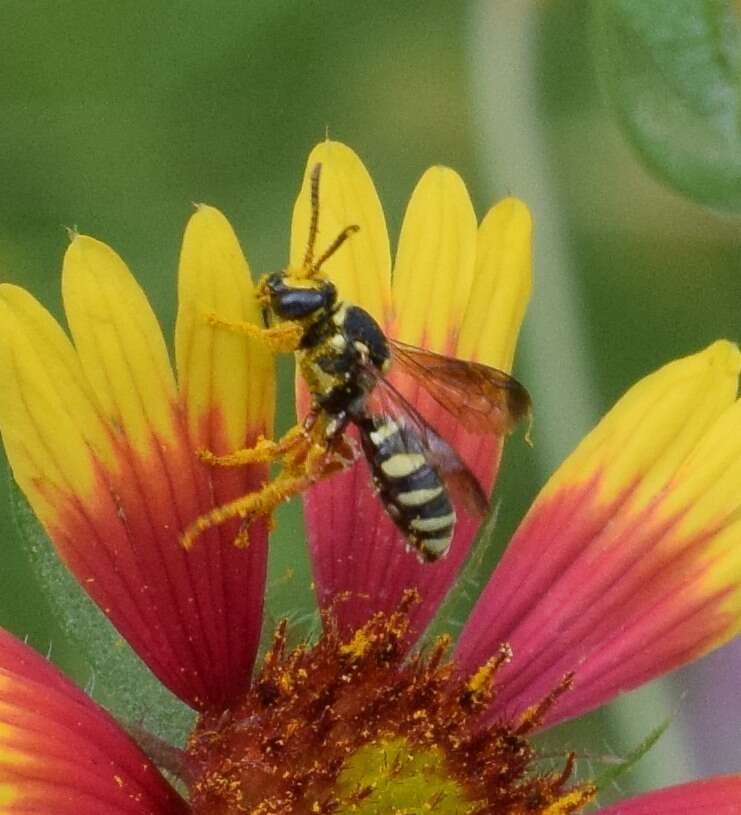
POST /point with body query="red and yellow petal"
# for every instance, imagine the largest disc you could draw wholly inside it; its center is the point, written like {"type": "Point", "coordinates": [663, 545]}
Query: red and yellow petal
{"type": "Point", "coordinates": [358, 554]}
{"type": "Point", "coordinates": [713, 796]}
{"type": "Point", "coordinates": [60, 753]}
{"type": "Point", "coordinates": [106, 453]}
{"type": "Point", "coordinates": [226, 380]}
{"type": "Point", "coordinates": [626, 566]}
{"type": "Point", "coordinates": [227, 388]}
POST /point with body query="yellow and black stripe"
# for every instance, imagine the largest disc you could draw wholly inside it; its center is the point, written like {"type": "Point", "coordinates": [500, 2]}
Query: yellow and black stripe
{"type": "Point", "coordinates": [412, 491]}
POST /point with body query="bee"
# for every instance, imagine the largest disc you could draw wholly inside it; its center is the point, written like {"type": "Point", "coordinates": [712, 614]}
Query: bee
{"type": "Point", "coordinates": [345, 358]}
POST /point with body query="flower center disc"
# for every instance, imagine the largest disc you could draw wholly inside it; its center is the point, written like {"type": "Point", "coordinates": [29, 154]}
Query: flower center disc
{"type": "Point", "coordinates": [394, 776]}
{"type": "Point", "coordinates": [356, 726]}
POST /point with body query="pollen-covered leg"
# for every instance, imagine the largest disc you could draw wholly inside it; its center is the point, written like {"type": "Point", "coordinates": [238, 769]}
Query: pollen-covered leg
{"type": "Point", "coordinates": [265, 451]}
{"type": "Point", "coordinates": [305, 462]}
{"type": "Point", "coordinates": [282, 338]}
{"type": "Point", "coordinates": [248, 507]}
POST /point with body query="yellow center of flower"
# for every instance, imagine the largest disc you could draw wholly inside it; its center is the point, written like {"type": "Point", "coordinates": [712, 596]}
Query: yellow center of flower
{"type": "Point", "coordinates": [392, 775]}
{"type": "Point", "coordinates": [355, 725]}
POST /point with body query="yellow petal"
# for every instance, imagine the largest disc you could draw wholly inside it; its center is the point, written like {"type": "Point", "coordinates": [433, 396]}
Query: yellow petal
{"type": "Point", "coordinates": [705, 495]}
{"type": "Point", "coordinates": [707, 487]}
{"type": "Point", "coordinates": [501, 286]}
{"type": "Point", "coordinates": [647, 435]}
{"type": "Point", "coordinates": [118, 340]}
{"type": "Point", "coordinates": [361, 268]}
{"type": "Point", "coordinates": [220, 372]}
{"type": "Point", "coordinates": [50, 421]}
{"type": "Point", "coordinates": [435, 262]}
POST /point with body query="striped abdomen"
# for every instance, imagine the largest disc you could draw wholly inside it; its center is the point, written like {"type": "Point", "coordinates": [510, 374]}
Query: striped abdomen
{"type": "Point", "coordinates": [411, 490]}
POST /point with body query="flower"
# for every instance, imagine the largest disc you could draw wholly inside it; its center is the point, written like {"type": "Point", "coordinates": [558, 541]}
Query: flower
{"type": "Point", "coordinates": [625, 567]}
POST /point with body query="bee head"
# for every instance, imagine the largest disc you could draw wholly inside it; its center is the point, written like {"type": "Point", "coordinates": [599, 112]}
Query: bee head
{"type": "Point", "coordinates": [296, 298]}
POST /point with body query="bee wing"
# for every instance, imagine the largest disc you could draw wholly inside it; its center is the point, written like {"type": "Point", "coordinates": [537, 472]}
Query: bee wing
{"type": "Point", "coordinates": [465, 490]}
{"type": "Point", "coordinates": [482, 399]}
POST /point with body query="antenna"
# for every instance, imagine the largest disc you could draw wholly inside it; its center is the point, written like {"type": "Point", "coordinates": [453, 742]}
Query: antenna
{"type": "Point", "coordinates": [333, 247]}
{"type": "Point", "coordinates": [310, 266]}
{"type": "Point", "coordinates": [316, 172]}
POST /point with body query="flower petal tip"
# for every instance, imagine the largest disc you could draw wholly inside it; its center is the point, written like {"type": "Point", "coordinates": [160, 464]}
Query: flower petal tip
{"type": "Point", "coordinates": [435, 261]}
{"type": "Point", "coordinates": [72, 233]}
{"type": "Point", "coordinates": [501, 286]}
{"type": "Point", "coordinates": [361, 269]}
{"type": "Point", "coordinates": [219, 371]}
{"type": "Point", "coordinates": [80, 245]}
{"type": "Point", "coordinates": [724, 355]}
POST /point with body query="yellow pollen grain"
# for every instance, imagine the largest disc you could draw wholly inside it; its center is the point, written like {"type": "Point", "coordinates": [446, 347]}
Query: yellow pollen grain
{"type": "Point", "coordinates": [358, 645]}
{"type": "Point", "coordinates": [480, 683]}
{"type": "Point", "coordinates": [529, 713]}
{"type": "Point", "coordinates": [570, 801]}
{"type": "Point", "coordinates": [286, 682]}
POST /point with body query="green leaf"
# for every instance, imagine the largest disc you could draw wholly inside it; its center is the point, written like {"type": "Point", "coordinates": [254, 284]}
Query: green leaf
{"type": "Point", "coordinates": [672, 73]}
{"type": "Point", "coordinates": [120, 681]}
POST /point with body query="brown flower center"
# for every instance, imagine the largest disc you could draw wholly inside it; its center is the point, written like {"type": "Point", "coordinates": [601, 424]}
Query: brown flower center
{"type": "Point", "coordinates": [354, 725]}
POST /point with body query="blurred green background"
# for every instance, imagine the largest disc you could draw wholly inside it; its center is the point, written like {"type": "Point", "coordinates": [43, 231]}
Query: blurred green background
{"type": "Point", "coordinates": [115, 117]}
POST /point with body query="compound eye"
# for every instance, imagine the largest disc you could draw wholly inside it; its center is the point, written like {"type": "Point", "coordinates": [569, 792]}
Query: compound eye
{"type": "Point", "coordinates": [330, 291]}
{"type": "Point", "coordinates": [293, 304]}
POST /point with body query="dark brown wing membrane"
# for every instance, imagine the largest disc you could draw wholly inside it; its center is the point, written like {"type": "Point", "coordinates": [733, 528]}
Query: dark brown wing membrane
{"type": "Point", "coordinates": [482, 399]}
{"type": "Point", "coordinates": [463, 485]}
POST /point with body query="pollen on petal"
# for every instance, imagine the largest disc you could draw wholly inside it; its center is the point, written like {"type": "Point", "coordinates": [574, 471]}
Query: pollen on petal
{"type": "Point", "coordinates": [220, 372]}
{"type": "Point", "coordinates": [501, 286]}
{"type": "Point", "coordinates": [111, 323]}
{"type": "Point", "coordinates": [435, 262]}
{"type": "Point", "coordinates": [361, 268]}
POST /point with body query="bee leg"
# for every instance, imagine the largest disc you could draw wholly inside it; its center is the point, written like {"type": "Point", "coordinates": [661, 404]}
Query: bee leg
{"type": "Point", "coordinates": [306, 460]}
{"type": "Point", "coordinates": [280, 339]}
{"type": "Point", "coordinates": [264, 451]}
{"type": "Point", "coordinates": [248, 507]}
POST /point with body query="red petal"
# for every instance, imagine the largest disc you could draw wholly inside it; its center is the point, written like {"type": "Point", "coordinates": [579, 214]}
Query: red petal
{"type": "Point", "coordinates": [194, 617]}
{"type": "Point", "coordinates": [61, 753]}
{"type": "Point", "coordinates": [626, 566]}
{"type": "Point", "coordinates": [713, 796]}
